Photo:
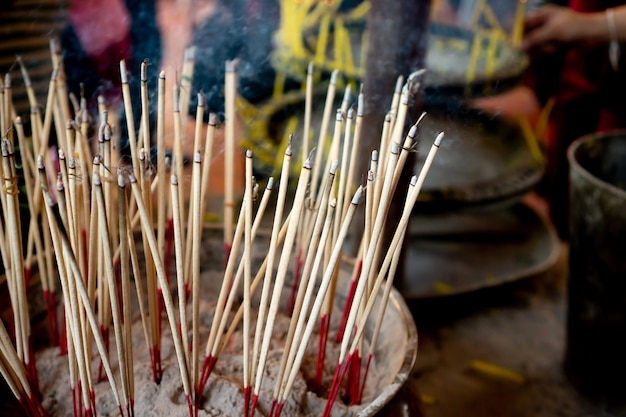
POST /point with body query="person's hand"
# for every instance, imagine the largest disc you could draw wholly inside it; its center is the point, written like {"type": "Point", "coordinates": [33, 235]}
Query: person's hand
{"type": "Point", "coordinates": [552, 26]}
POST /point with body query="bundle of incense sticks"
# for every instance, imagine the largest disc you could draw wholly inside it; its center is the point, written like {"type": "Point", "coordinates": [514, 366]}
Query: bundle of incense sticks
{"type": "Point", "coordinates": [91, 203]}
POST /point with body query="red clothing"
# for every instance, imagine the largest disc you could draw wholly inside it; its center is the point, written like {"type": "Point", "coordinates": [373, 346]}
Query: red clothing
{"type": "Point", "coordinates": [588, 98]}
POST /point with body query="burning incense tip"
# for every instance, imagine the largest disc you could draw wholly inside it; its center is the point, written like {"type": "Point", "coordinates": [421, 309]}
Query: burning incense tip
{"type": "Point", "coordinates": [96, 160]}
{"type": "Point", "coordinates": [339, 115]}
{"type": "Point", "coordinates": [405, 96]}
{"type": "Point", "coordinates": [132, 178]}
{"type": "Point", "coordinates": [357, 196]}
{"type": "Point", "coordinates": [270, 183]}
{"type": "Point", "coordinates": [416, 74]}
{"type": "Point", "coordinates": [395, 148]}
{"type": "Point", "coordinates": [310, 68]}
{"type": "Point", "coordinates": [388, 118]}
{"type": "Point", "coordinates": [413, 131]}
{"type": "Point", "coordinates": [399, 84]}
{"type": "Point", "coordinates": [333, 77]}
{"type": "Point", "coordinates": [333, 203]}
{"type": "Point", "coordinates": [350, 113]}
{"type": "Point", "coordinates": [438, 139]}
{"type": "Point", "coordinates": [413, 181]}
{"type": "Point", "coordinates": [289, 151]}
{"type": "Point", "coordinates": [359, 108]}
{"type": "Point", "coordinates": [333, 167]}
{"type": "Point", "coordinates": [7, 80]}
{"type": "Point", "coordinates": [374, 155]}
{"type": "Point", "coordinates": [370, 175]}
{"type": "Point", "coordinates": [18, 120]}
{"type": "Point", "coordinates": [177, 98]}
{"type": "Point", "coordinates": [25, 75]}
{"type": "Point", "coordinates": [174, 180]}
{"type": "Point", "coordinates": [120, 179]}
{"type": "Point", "coordinates": [201, 99]}
{"type": "Point", "coordinates": [100, 99]}
{"type": "Point", "coordinates": [162, 74]}
{"type": "Point", "coordinates": [307, 164]}
{"type": "Point", "coordinates": [39, 161]}
{"type": "Point", "coordinates": [190, 53]}
{"type": "Point", "coordinates": [96, 179]}
{"type": "Point", "coordinates": [197, 158]}
{"type": "Point", "coordinates": [60, 186]}
{"type": "Point", "coordinates": [143, 73]}
{"type": "Point", "coordinates": [72, 163]}
{"type": "Point", "coordinates": [248, 153]}
{"type": "Point", "coordinates": [231, 66]}
{"type": "Point", "coordinates": [4, 145]}
{"type": "Point", "coordinates": [212, 119]}
{"type": "Point", "coordinates": [107, 133]}
{"type": "Point", "coordinates": [123, 74]}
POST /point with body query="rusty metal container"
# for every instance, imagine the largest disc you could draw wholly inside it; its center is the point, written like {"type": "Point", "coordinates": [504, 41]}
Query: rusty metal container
{"type": "Point", "coordinates": [595, 359]}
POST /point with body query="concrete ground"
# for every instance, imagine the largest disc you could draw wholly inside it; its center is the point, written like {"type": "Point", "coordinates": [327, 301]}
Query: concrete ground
{"type": "Point", "coordinates": [518, 327]}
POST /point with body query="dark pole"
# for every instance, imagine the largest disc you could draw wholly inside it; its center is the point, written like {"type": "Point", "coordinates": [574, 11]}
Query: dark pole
{"type": "Point", "coordinates": [398, 36]}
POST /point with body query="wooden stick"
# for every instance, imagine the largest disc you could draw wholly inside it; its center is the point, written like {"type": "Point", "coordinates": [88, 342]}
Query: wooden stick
{"type": "Point", "coordinates": [109, 274]}
{"type": "Point", "coordinates": [356, 141]}
{"type": "Point", "coordinates": [144, 141]}
{"type": "Point", "coordinates": [167, 297]}
{"type": "Point", "coordinates": [138, 282]}
{"type": "Point", "coordinates": [380, 169]}
{"type": "Point", "coordinates": [34, 228]}
{"type": "Point", "coordinates": [186, 79]}
{"type": "Point", "coordinates": [253, 287]}
{"type": "Point", "coordinates": [345, 154]}
{"type": "Point", "coordinates": [321, 140]}
{"type": "Point", "coordinates": [308, 110]}
{"type": "Point", "coordinates": [30, 92]}
{"type": "Point", "coordinates": [130, 119]}
{"type": "Point", "coordinates": [226, 288]}
{"type": "Point", "coordinates": [151, 278]}
{"type": "Point", "coordinates": [126, 301]}
{"type": "Point", "coordinates": [197, 136]}
{"type": "Point", "coordinates": [180, 280]}
{"type": "Point", "coordinates": [62, 245]}
{"type": "Point", "coordinates": [398, 127]}
{"type": "Point", "coordinates": [321, 294]}
{"type": "Point", "coordinates": [178, 157]}
{"type": "Point", "coordinates": [321, 231]}
{"type": "Point", "coordinates": [222, 337]}
{"type": "Point", "coordinates": [207, 158]}
{"type": "Point", "coordinates": [195, 271]}
{"type": "Point", "coordinates": [271, 257]}
{"type": "Point", "coordinates": [416, 185]}
{"type": "Point", "coordinates": [47, 121]}
{"type": "Point", "coordinates": [15, 246]}
{"type": "Point", "coordinates": [8, 107]}
{"type": "Point", "coordinates": [371, 249]}
{"type": "Point", "coordinates": [229, 151]}
{"type": "Point", "coordinates": [283, 264]}
{"type": "Point", "coordinates": [247, 274]}
{"type": "Point", "coordinates": [161, 167]}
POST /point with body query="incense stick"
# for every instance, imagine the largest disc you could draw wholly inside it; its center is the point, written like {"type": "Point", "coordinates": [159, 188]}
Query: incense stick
{"type": "Point", "coordinates": [167, 298]}
{"type": "Point", "coordinates": [130, 119]}
{"type": "Point", "coordinates": [319, 299]}
{"type": "Point", "coordinates": [229, 149]}
{"type": "Point", "coordinates": [195, 249]}
{"type": "Point", "coordinates": [271, 256]}
{"type": "Point", "coordinates": [296, 210]}
{"type": "Point", "coordinates": [247, 274]}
